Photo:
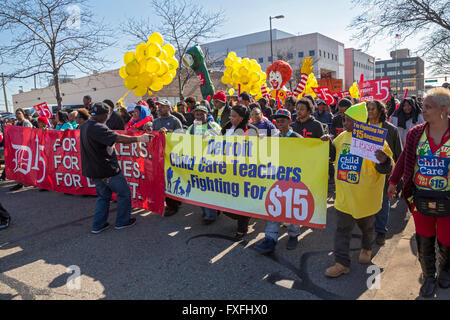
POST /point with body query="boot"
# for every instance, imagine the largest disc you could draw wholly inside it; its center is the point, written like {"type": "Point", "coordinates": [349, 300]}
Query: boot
{"type": "Point", "coordinates": [427, 258]}
{"type": "Point", "coordinates": [444, 266]}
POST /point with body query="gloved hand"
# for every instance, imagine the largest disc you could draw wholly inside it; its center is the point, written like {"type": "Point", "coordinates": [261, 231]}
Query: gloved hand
{"type": "Point", "coordinates": [307, 66]}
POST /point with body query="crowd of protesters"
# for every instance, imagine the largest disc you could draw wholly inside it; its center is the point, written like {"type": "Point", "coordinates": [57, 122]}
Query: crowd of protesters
{"type": "Point", "coordinates": [417, 135]}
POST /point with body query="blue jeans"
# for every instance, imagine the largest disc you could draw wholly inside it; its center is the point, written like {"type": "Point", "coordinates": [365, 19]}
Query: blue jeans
{"type": "Point", "coordinates": [273, 228]}
{"type": "Point", "coordinates": [105, 188]}
{"type": "Point", "coordinates": [382, 217]}
{"type": "Point", "coordinates": [210, 214]}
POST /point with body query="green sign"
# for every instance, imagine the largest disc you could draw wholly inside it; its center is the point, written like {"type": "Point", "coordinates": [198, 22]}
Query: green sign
{"type": "Point", "coordinates": [429, 81]}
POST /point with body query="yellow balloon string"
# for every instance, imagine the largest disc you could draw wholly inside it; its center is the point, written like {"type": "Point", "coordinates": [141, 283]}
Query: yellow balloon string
{"type": "Point", "coordinates": [120, 101]}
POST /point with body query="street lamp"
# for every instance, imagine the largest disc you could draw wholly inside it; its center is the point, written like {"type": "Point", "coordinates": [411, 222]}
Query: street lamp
{"type": "Point", "coordinates": [270, 20]}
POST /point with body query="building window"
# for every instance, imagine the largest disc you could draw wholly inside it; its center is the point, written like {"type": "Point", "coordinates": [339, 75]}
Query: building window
{"type": "Point", "coordinates": [300, 54]}
{"type": "Point", "coordinates": [290, 56]}
{"type": "Point", "coordinates": [328, 55]}
{"type": "Point", "coordinates": [260, 60]}
{"type": "Point", "coordinates": [393, 65]}
{"type": "Point", "coordinates": [312, 53]}
{"type": "Point", "coordinates": [409, 63]}
{"type": "Point", "coordinates": [269, 59]}
{"type": "Point", "coordinates": [320, 53]}
{"type": "Point", "coordinates": [391, 73]}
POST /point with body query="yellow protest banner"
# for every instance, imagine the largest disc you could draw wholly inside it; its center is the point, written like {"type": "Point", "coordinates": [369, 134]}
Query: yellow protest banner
{"type": "Point", "coordinates": [279, 179]}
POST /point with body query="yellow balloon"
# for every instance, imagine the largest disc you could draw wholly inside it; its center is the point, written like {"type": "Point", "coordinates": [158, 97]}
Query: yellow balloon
{"type": "Point", "coordinates": [255, 77]}
{"type": "Point", "coordinates": [226, 80]}
{"type": "Point", "coordinates": [231, 91]}
{"type": "Point", "coordinates": [143, 66]}
{"type": "Point", "coordinates": [243, 71]}
{"type": "Point", "coordinates": [164, 68]}
{"type": "Point", "coordinates": [162, 55]}
{"type": "Point", "coordinates": [145, 80]}
{"type": "Point", "coordinates": [245, 80]}
{"type": "Point", "coordinates": [156, 37]}
{"type": "Point", "coordinates": [133, 68]}
{"type": "Point", "coordinates": [246, 62]}
{"type": "Point", "coordinates": [173, 73]}
{"type": "Point", "coordinates": [153, 65]}
{"type": "Point", "coordinates": [123, 72]}
{"type": "Point", "coordinates": [128, 57]}
{"type": "Point", "coordinates": [153, 49]}
{"type": "Point", "coordinates": [140, 91]}
{"type": "Point", "coordinates": [228, 62]}
{"type": "Point", "coordinates": [173, 63]}
{"type": "Point", "coordinates": [166, 79]}
{"type": "Point", "coordinates": [130, 82]}
{"type": "Point", "coordinates": [141, 51]}
{"type": "Point", "coordinates": [236, 65]}
{"type": "Point", "coordinates": [232, 54]}
{"type": "Point", "coordinates": [156, 85]}
{"type": "Point", "coordinates": [228, 72]}
{"type": "Point", "coordinates": [170, 50]}
{"type": "Point", "coordinates": [235, 76]}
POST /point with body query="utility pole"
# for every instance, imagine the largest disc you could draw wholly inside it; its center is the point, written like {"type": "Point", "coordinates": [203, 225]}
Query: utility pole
{"type": "Point", "coordinates": [4, 92]}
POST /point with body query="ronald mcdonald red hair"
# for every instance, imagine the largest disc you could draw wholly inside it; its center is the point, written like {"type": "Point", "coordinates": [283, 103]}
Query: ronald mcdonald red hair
{"type": "Point", "coordinates": [283, 68]}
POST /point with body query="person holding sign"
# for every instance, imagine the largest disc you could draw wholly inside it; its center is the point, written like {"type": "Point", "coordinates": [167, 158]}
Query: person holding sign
{"type": "Point", "coordinates": [424, 168]}
{"type": "Point", "coordinates": [377, 117]}
{"type": "Point", "coordinates": [283, 119]}
{"type": "Point", "coordinates": [99, 162]}
{"type": "Point", "coordinates": [354, 204]}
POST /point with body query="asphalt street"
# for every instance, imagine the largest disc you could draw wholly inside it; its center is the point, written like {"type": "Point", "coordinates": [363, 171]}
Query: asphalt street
{"type": "Point", "coordinates": [167, 257]}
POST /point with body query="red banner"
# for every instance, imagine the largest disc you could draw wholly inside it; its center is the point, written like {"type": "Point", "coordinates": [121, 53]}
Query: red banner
{"type": "Point", "coordinates": [342, 94]}
{"type": "Point", "coordinates": [378, 89]}
{"type": "Point", "coordinates": [51, 160]}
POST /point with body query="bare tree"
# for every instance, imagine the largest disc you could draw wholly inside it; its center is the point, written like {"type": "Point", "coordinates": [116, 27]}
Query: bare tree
{"type": "Point", "coordinates": [183, 25]}
{"type": "Point", "coordinates": [49, 36]}
{"type": "Point", "coordinates": [408, 18]}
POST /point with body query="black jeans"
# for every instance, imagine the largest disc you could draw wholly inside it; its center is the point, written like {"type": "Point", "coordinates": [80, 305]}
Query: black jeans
{"type": "Point", "coordinates": [242, 221]}
{"type": "Point", "coordinates": [4, 215]}
{"type": "Point", "coordinates": [343, 236]}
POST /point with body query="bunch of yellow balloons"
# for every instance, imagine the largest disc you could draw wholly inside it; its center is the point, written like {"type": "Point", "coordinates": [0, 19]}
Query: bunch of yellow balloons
{"type": "Point", "coordinates": [354, 91]}
{"type": "Point", "coordinates": [153, 66]}
{"type": "Point", "coordinates": [245, 72]}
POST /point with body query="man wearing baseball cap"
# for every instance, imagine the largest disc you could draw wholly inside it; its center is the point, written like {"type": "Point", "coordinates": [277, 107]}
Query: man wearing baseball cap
{"type": "Point", "coordinates": [322, 114]}
{"type": "Point", "coordinates": [166, 121]}
{"type": "Point", "coordinates": [222, 110]}
{"type": "Point", "coordinates": [283, 120]}
{"type": "Point", "coordinates": [99, 162]}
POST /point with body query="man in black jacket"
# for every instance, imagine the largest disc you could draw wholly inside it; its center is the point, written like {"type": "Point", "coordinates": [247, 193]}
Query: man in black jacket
{"type": "Point", "coordinates": [337, 125]}
{"type": "Point", "coordinates": [114, 121]}
{"type": "Point", "coordinates": [305, 124]}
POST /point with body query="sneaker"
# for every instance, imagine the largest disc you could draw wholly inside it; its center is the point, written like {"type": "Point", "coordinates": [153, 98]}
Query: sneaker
{"type": "Point", "coordinates": [267, 246]}
{"type": "Point", "coordinates": [130, 223]}
{"type": "Point", "coordinates": [380, 239]}
{"type": "Point", "coordinates": [106, 226]}
{"type": "Point", "coordinates": [292, 243]}
{"type": "Point", "coordinates": [5, 223]}
{"type": "Point", "coordinates": [365, 256]}
{"type": "Point", "coordinates": [336, 270]}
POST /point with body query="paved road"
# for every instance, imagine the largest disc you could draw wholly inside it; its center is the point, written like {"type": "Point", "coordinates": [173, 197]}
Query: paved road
{"type": "Point", "coordinates": [166, 257]}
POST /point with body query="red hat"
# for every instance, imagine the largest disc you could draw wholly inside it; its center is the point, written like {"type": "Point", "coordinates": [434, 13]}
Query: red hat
{"type": "Point", "coordinates": [42, 119]}
{"type": "Point", "coordinates": [220, 96]}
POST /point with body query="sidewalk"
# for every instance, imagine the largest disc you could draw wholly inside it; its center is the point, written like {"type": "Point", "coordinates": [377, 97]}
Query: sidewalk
{"type": "Point", "coordinates": [402, 277]}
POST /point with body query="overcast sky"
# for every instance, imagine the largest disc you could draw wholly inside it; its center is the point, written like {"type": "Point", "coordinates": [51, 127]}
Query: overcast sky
{"type": "Point", "coordinates": [330, 18]}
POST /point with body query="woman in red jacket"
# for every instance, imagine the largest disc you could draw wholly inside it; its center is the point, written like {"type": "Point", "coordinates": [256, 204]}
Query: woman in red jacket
{"type": "Point", "coordinates": [424, 167]}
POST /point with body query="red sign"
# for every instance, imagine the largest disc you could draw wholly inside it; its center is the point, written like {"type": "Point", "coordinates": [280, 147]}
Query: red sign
{"type": "Point", "coordinates": [51, 159]}
{"type": "Point", "coordinates": [44, 110]}
{"type": "Point", "coordinates": [325, 94]}
{"type": "Point", "coordinates": [375, 90]}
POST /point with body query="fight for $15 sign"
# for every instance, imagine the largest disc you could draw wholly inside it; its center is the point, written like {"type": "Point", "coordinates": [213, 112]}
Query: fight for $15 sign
{"type": "Point", "coordinates": [366, 139]}
{"type": "Point", "coordinates": [280, 179]}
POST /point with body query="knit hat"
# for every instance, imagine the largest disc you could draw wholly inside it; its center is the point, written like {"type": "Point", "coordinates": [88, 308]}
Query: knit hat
{"type": "Point", "coordinates": [345, 103]}
{"type": "Point", "coordinates": [282, 113]}
{"type": "Point", "coordinates": [358, 112]}
{"type": "Point", "coordinates": [220, 96]}
{"type": "Point", "coordinates": [42, 119]}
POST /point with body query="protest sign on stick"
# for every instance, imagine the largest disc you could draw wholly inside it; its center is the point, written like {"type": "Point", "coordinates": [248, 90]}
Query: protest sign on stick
{"type": "Point", "coordinates": [366, 139]}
